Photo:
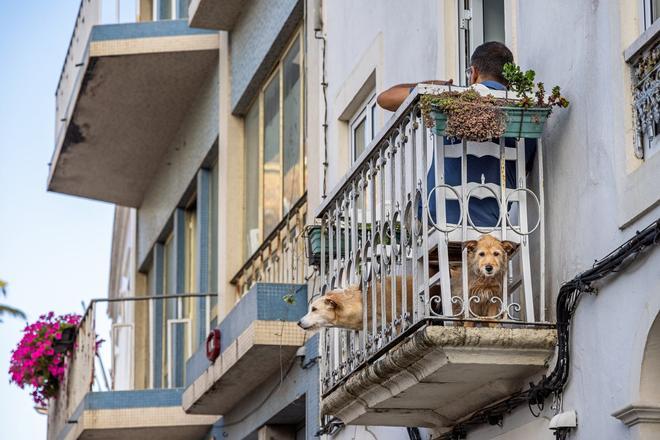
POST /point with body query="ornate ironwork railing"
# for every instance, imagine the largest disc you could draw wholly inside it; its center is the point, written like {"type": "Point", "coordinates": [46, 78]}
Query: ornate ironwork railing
{"type": "Point", "coordinates": [281, 256]}
{"type": "Point", "coordinates": [644, 58]}
{"type": "Point", "coordinates": [378, 232]}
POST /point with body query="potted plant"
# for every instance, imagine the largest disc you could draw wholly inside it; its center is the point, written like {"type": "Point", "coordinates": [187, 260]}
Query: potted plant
{"type": "Point", "coordinates": [36, 362]}
{"type": "Point", "coordinates": [469, 115]}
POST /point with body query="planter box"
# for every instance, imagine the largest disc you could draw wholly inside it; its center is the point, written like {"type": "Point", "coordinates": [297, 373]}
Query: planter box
{"type": "Point", "coordinates": [313, 243]}
{"type": "Point", "coordinates": [521, 122]}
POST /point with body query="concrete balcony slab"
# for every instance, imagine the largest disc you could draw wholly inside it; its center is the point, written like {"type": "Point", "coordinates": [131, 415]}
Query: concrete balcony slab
{"type": "Point", "coordinates": [440, 375]}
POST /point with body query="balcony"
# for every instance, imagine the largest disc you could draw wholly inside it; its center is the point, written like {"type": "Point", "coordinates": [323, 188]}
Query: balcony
{"type": "Point", "coordinates": [91, 405]}
{"type": "Point", "coordinates": [122, 94]}
{"type": "Point", "coordinates": [427, 354]}
{"type": "Point", "coordinates": [257, 338]}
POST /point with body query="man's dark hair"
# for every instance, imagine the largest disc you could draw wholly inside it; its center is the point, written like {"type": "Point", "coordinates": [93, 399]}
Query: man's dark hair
{"type": "Point", "coordinates": [490, 58]}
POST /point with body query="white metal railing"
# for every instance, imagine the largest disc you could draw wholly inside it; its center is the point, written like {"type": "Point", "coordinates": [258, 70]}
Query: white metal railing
{"type": "Point", "coordinates": [378, 233]}
{"type": "Point", "coordinates": [281, 256]}
{"type": "Point", "coordinates": [104, 355]}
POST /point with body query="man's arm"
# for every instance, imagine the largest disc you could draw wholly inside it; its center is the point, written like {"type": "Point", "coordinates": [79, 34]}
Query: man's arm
{"type": "Point", "coordinates": [392, 98]}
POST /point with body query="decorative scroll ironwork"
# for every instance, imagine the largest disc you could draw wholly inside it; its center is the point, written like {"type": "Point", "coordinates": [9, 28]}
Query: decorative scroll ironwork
{"type": "Point", "coordinates": [646, 97]}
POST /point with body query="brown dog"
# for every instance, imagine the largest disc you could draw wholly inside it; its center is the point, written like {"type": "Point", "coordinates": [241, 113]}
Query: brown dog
{"type": "Point", "coordinates": [342, 308]}
{"type": "Point", "coordinates": [487, 262]}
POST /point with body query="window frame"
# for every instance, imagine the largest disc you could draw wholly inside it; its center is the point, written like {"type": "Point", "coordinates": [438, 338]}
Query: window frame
{"type": "Point", "coordinates": [276, 75]}
{"type": "Point", "coordinates": [366, 111]}
{"type": "Point", "coordinates": [470, 33]}
{"type": "Point", "coordinates": [174, 4]}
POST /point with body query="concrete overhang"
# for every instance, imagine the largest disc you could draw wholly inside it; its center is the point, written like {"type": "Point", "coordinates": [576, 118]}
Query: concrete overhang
{"type": "Point", "coordinates": [441, 375]}
{"type": "Point", "coordinates": [135, 415]}
{"type": "Point", "coordinates": [258, 338]}
{"type": "Point", "coordinates": [214, 14]}
{"type": "Point", "coordinates": [135, 84]}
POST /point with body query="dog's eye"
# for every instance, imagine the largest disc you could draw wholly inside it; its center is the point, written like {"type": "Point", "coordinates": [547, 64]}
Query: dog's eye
{"type": "Point", "coordinates": [482, 254]}
{"type": "Point", "coordinates": [313, 309]}
{"type": "Point", "coordinates": [497, 254]}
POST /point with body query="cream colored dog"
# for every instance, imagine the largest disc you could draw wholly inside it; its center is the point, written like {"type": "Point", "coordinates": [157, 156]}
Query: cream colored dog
{"type": "Point", "coordinates": [342, 308]}
{"type": "Point", "coordinates": [487, 262]}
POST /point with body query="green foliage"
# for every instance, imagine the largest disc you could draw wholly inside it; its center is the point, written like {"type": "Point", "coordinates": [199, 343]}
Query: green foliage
{"type": "Point", "coordinates": [522, 83]}
{"type": "Point", "coordinates": [8, 310]}
{"type": "Point", "coordinates": [289, 298]}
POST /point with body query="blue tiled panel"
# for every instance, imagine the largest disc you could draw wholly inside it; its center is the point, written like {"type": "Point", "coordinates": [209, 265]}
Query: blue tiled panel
{"type": "Point", "coordinates": [133, 399]}
{"type": "Point", "coordinates": [196, 364]}
{"type": "Point", "coordinates": [265, 302]}
{"type": "Point", "coordinates": [126, 31]}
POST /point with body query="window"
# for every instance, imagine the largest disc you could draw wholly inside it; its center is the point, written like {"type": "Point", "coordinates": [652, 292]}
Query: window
{"type": "Point", "coordinates": [274, 155]}
{"type": "Point", "coordinates": [170, 9]}
{"type": "Point", "coordinates": [651, 12]}
{"type": "Point", "coordinates": [480, 21]}
{"type": "Point", "coordinates": [363, 127]}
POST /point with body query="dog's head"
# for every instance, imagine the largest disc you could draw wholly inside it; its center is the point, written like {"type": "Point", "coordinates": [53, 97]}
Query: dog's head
{"type": "Point", "coordinates": [322, 313]}
{"type": "Point", "coordinates": [488, 256]}
{"type": "Point", "coordinates": [334, 309]}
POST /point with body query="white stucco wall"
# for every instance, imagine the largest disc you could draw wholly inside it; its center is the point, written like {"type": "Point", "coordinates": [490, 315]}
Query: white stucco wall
{"type": "Point", "coordinates": [593, 199]}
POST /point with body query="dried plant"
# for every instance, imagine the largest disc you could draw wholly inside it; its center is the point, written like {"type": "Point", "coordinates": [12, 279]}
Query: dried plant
{"type": "Point", "coordinates": [470, 116]}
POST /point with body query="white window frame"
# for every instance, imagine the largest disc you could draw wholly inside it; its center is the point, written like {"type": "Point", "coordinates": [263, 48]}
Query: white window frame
{"type": "Point", "coordinates": [366, 112]}
{"type": "Point", "coordinates": [470, 34]}
{"type": "Point", "coordinates": [648, 13]}
{"type": "Point", "coordinates": [188, 344]}
{"type": "Point", "coordinates": [175, 10]}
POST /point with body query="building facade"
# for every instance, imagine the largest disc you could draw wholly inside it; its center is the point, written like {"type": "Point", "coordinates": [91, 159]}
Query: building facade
{"type": "Point", "coordinates": [253, 171]}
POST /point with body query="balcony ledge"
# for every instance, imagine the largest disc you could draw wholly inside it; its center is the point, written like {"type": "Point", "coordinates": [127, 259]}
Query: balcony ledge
{"type": "Point", "coordinates": [128, 415]}
{"type": "Point", "coordinates": [257, 338]}
{"type": "Point", "coordinates": [441, 375]}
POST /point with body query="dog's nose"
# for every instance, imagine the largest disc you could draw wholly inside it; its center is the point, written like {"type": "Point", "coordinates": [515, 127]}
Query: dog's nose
{"type": "Point", "coordinates": [300, 324]}
{"type": "Point", "coordinates": [489, 268]}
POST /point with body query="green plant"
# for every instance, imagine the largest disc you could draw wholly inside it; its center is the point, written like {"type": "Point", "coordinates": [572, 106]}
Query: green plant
{"type": "Point", "coordinates": [6, 309]}
{"type": "Point", "coordinates": [522, 84]}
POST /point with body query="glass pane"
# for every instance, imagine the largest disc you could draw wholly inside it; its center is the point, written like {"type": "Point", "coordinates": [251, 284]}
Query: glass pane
{"type": "Point", "coordinates": [252, 167]}
{"type": "Point", "coordinates": [272, 173]}
{"type": "Point", "coordinates": [213, 246]}
{"type": "Point", "coordinates": [177, 352]}
{"type": "Point", "coordinates": [655, 9]}
{"type": "Point", "coordinates": [164, 9]}
{"type": "Point", "coordinates": [493, 20]}
{"type": "Point", "coordinates": [292, 162]}
{"type": "Point", "coordinates": [359, 138]}
{"type": "Point", "coordinates": [191, 250]}
{"type": "Point", "coordinates": [169, 305]}
{"type": "Point", "coordinates": [182, 6]}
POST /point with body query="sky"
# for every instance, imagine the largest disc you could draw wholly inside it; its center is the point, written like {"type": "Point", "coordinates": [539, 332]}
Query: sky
{"type": "Point", "coordinates": [54, 249]}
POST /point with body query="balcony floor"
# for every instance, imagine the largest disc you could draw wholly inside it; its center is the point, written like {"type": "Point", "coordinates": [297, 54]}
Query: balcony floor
{"type": "Point", "coordinates": [440, 375]}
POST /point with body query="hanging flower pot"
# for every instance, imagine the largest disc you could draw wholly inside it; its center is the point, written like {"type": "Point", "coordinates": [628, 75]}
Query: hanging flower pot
{"type": "Point", "coordinates": [39, 360]}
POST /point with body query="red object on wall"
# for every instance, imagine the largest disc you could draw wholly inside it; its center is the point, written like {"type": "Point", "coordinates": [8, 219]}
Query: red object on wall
{"type": "Point", "coordinates": [213, 345]}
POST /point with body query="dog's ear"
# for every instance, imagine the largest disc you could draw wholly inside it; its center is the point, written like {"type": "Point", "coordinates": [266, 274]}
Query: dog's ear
{"type": "Point", "coordinates": [470, 245]}
{"type": "Point", "coordinates": [509, 247]}
{"type": "Point", "coordinates": [330, 303]}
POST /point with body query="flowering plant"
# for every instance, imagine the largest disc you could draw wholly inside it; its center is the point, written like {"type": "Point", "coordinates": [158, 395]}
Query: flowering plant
{"type": "Point", "coordinates": [35, 362]}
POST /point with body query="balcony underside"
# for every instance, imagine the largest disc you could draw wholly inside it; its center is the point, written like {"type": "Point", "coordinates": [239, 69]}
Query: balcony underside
{"type": "Point", "coordinates": [138, 415]}
{"type": "Point", "coordinates": [135, 85]}
{"type": "Point", "coordinates": [440, 375]}
{"type": "Point", "coordinates": [214, 14]}
{"type": "Point", "coordinates": [263, 349]}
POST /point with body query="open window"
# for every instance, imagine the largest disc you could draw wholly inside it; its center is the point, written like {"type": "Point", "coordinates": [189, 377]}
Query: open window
{"type": "Point", "coordinates": [480, 21]}
{"type": "Point", "coordinates": [170, 9]}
